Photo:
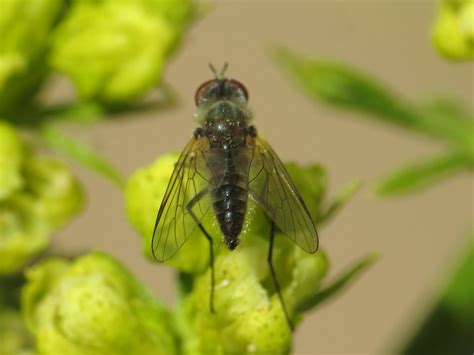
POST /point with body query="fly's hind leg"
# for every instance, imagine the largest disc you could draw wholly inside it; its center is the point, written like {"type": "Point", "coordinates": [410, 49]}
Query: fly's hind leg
{"type": "Point", "coordinates": [274, 278]}
{"type": "Point", "coordinates": [189, 207]}
{"type": "Point", "coordinates": [270, 259]}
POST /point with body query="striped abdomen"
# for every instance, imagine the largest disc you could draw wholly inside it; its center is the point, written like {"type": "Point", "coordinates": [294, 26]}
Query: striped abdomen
{"type": "Point", "coordinates": [229, 201]}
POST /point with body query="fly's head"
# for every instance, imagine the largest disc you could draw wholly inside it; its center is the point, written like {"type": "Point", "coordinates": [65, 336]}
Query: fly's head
{"type": "Point", "coordinates": [221, 89]}
{"type": "Point", "coordinates": [222, 105]}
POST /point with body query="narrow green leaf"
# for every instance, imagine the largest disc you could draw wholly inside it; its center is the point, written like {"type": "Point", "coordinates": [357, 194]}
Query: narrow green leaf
{"type": "Point", "coordinates": [459, 294]}
{"type": "Point", "coordinates": [81, 153]}
{"type": "Point", "coordinates": [423, 174]}
{"type": "Point", "coordinates": [339, 85]}
{"type": "Point", "coordinates": [339, 283]}
{"type": "Point", "coordinates": [451, 119]}
{"type": "Point", "coordinates": [348, 88]}
{"type": "Point", "coordinates": [77, 111]}
{"type": "Point", "coordinates": [344, 195]}
{"type": "Point", "coordinates": [448, 107]}
{"type": "Point", "coordinates": [448, 327]}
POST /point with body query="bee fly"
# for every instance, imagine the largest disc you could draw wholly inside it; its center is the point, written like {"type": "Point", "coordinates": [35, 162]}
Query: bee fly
{"type": "Point", "coordinates": [225, 163]}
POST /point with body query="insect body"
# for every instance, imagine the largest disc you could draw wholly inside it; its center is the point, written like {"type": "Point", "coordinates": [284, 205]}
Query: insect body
{"type": "Point", "coordinates": [225, 118]}
{"type": "Point", "coordinates": [225, 163]}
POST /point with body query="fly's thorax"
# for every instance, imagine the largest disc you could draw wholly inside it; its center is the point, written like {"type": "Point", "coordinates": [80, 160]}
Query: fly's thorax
{"type": "Point", "coordinates": [225, 123]}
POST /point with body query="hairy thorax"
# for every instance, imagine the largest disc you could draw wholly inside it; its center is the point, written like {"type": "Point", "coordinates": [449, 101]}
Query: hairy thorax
{"type": "Point", "coordinates": [225, 125]}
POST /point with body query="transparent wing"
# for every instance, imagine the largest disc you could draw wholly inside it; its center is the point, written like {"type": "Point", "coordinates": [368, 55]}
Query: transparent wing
{"type": "Point", "coordinates": [271, 186]}
{"type": "Point", "coordinates": [186, 201]}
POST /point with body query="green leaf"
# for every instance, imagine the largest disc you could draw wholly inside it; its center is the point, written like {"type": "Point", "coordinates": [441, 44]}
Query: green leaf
{"type": "Point", "coordinates": [447, 107]}
{"type": "Point", "coordinates": [451, 120]}
{"type": "Point", "coordinates": [340, 283]}
{"type": "Point", "coordinates": [81, 153]}
{"type": "Point", "coordinates": [344, 195]}
{"type": "Point", "coordinates": [342, 86]}
{"type": "Point", "coordinates": [459, 295]}
{"type": "Point", "coordinates": [449, 326]}
{"type": "Point", "coordinates": [423, 174]}
{"type": "Point", "coordinates": [82, 111]}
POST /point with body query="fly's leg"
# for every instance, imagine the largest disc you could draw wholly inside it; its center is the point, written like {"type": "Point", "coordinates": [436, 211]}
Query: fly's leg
{"type": "Point", "coordinates": [270, 261]}
{"type": "Point", "coordinates": [275, 280]}
{"type": "Point", "coordinates": [189, 207]}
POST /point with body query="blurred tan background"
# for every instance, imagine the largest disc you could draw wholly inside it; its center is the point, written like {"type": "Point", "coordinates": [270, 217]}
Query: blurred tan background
{"type": "Point", "coordinates": [417, 235]}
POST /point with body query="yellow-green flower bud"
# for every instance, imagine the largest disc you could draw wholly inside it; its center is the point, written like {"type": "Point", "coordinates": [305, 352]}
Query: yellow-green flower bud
{"type": "Point", "coordinates": [37, 196]}
{"type": "Point", "coordinates": [21, 236]}
{"type": "Point", "coordinates": [307, 272]}
{"type": "Point", "coordinates": [248, 315]}
{"type": "Point", "coordinates": [246, 318]}
{"type": "Point", "coordinates": [311, 182]}
{"type": "Point", "coordinates": [11, 158]}
{"type": "Point", "coordinates": [143, 196]}
{"type": "Point", "coordinates": [24, 31]}
{"type": "Point", "coordinates": [453, 32]}
{"type": "Point", "coordinates": [93, 306]}
{"type": "Point", "coordinates": [58, 195]}
{"type": "Point", "coordinates": [177, 12]}
{"type": "Point", "coordinates": [114, 51]}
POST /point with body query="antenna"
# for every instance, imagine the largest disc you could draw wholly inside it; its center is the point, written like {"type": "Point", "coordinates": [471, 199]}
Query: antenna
{"type": "Point", "coordinates": [221, 74]}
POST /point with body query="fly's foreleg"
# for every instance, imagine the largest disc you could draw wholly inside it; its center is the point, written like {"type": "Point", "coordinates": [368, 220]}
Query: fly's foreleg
{"type": "Point", "coordinates": [189, 207]}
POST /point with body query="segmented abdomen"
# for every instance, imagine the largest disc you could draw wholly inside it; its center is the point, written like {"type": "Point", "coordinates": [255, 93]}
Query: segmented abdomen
{"type": "Point", "coordinates": [229, 201]}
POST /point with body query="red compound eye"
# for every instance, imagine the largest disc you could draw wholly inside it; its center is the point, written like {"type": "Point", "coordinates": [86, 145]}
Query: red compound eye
{"type": "Point", "coordinates": [201, 89]}
{"type": "Point", "coordinates": [241, 87]}
{"type": "Point", "coordinates": [220, 88]}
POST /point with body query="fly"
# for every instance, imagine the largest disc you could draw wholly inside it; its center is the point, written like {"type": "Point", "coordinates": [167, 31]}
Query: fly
{"type": "Point", "coordinates": [225, 163]}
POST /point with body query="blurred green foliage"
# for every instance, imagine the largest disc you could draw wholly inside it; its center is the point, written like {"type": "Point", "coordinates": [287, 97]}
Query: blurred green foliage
{"type": "Point", "coordinates": [37, 197]}
{"type": "Point", "coordinates": [25, 31]}
{"type": "Point", "coordinates": [12, 153]}
{"type": "Point", "coordinates": [248, 316]}
{"type": "Point", "coordinates": [15, 339]}
{"type": "Point", "coordinates": [80, 152]}
{"type": "Point", "coordinates": [344, 87]}
{"type": "Point", "coordinates": [114, 52]}
{"type": "Point", "coordinates": [449, 327]}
